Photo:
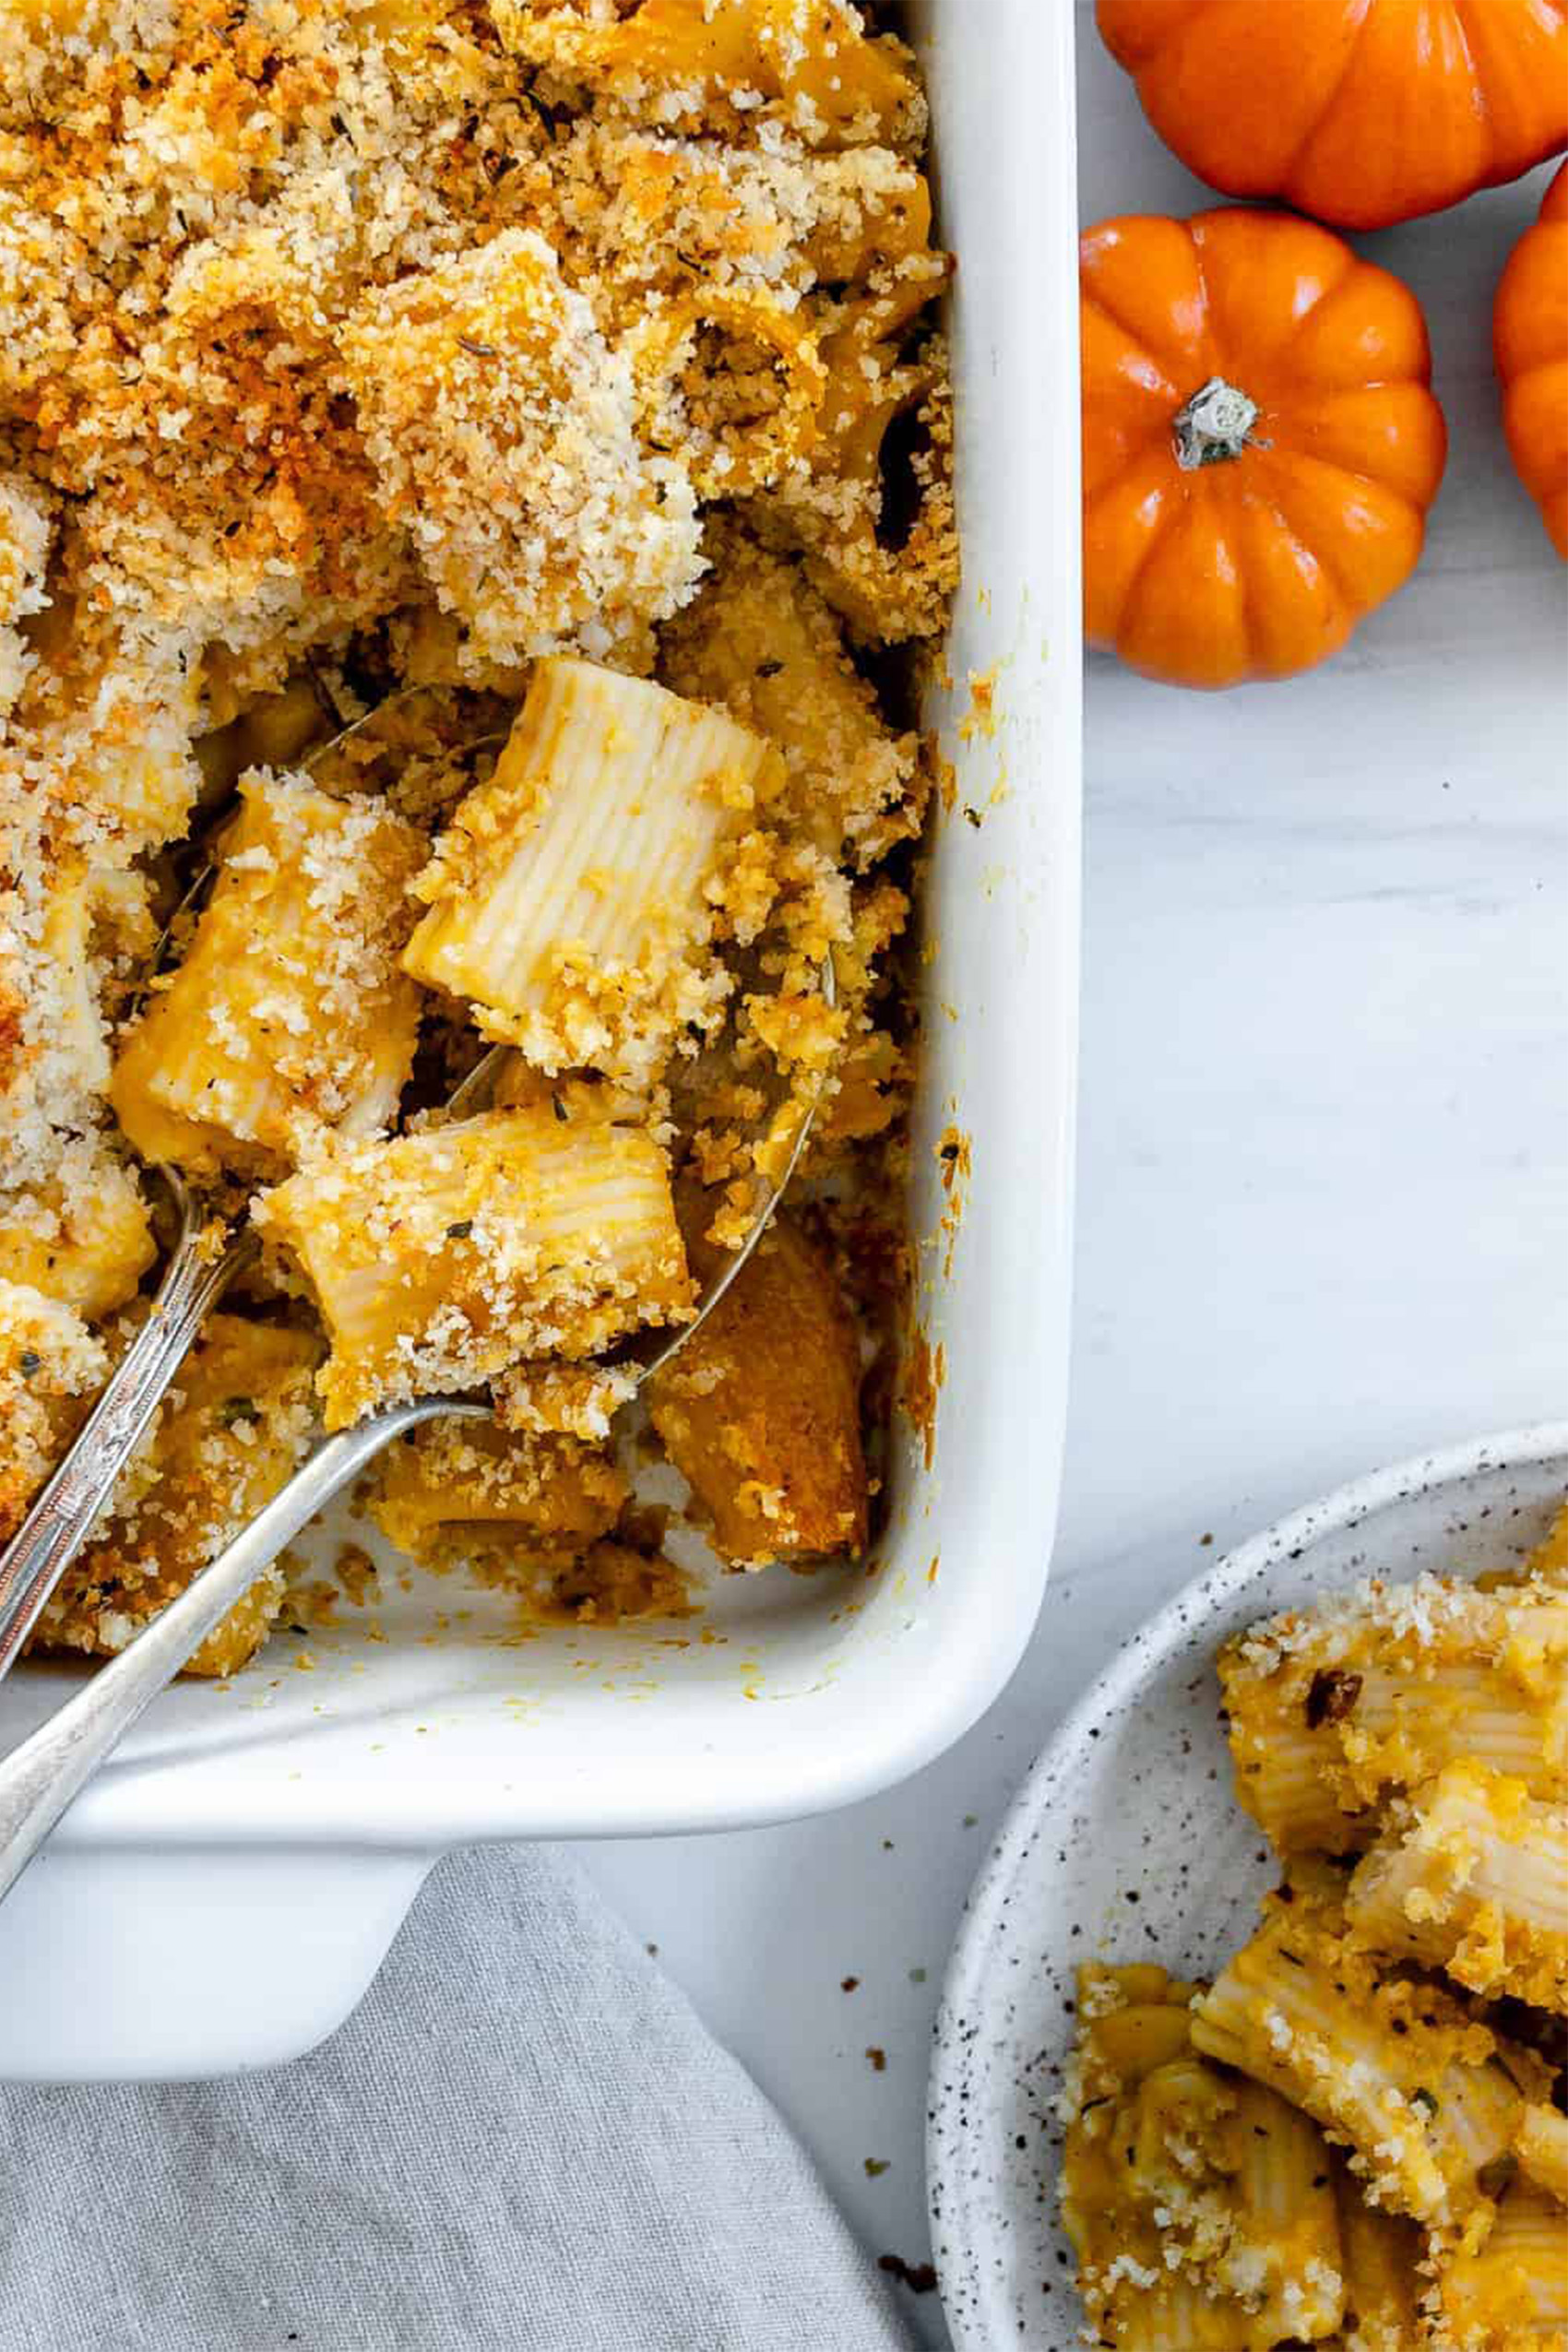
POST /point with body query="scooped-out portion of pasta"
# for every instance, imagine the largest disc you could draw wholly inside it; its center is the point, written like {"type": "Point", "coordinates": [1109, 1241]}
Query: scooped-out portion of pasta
{"type": "Point", "coordinates": [463, 463]}
{"type": "Point", "coordinates": [1358, 2133]}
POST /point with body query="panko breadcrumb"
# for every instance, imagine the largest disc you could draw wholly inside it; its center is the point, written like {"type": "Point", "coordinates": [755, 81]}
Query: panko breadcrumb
{"type": "Point", "coordinates": [235, 1424]}
{"type": "Point", "coordinates": [24, 543]}
{"type": "Point", "coordinates": [503, 427]}
{"type": "Point", "coordinates": [48, 1358]}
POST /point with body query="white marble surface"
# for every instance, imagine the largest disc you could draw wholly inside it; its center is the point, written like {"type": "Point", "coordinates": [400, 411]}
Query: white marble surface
{"type": "Point", "coordinates": [1323, 1194]}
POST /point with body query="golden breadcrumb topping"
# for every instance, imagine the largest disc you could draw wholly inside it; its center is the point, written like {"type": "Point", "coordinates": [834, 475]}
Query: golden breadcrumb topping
{"type": "Point", "coordinates": [453, 1488]}
{"type": "Point", "coordinates": [24, 543]}
{"type": "Point", "coordinates": [563, 1399]}
{"type": "Point", "coordinates": [48, 1358]}
{"type": "Point", "coordinates": [806, 64]}
{"type": "Point", "coordinates": [83, 1235]}
{"type": "Point", "coordinates": [854, 789]}
{"type": "Point", "coordinates": [1470, 1875]}
{"type": "Point", "coordinates": [504, 430]}
{"type": "Point", "coordinates": [360, 347]}
{"type": "Point", "coordinates": [237, 1422]}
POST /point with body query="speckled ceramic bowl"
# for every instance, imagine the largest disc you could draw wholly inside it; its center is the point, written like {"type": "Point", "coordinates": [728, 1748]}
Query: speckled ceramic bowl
{"type": "Point", "coordinates": [1125, 1842]}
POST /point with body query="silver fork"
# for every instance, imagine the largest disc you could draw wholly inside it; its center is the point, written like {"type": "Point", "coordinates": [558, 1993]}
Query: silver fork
{"type": "Point", "coordinates": [208, 1255]}
{"type": "Point", "coordinates": [39, 1778]}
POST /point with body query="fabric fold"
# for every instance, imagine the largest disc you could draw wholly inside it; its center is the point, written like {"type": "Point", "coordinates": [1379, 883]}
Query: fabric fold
{"type": "Point", "coordinates": [524, 2138]}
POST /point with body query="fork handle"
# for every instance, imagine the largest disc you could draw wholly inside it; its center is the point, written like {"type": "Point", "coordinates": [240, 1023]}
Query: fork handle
{"type": "Point", "coordinates": [60, 1521]}
{"type": "Point", "coordinates": [39, 1779]}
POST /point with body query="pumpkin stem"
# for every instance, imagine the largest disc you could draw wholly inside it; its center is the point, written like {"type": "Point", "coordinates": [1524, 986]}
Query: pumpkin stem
{"type": "Point", "coordinates": [1216, 426]}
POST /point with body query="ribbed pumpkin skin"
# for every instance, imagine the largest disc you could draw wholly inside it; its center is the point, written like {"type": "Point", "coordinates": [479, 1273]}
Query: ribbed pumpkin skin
{"type": "Point", "coordinates": [1530, 333]}
{"type": "Point", "coordinates": [1359, 112]}
{"type": "Point", "coordinates": [1260, 565]}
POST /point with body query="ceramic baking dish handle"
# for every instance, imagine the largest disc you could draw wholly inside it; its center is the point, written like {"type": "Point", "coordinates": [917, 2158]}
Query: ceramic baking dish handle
{"type": "Point", "coordinates": [170, 1963]}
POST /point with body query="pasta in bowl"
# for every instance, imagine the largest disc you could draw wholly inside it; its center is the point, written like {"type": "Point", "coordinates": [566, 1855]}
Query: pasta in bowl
{"type": "Point", "coordinates": [545, 360]}
{"type": "Point", "coordinates": [1356, 2131]}
{"type": "Point", "coordinates": [1242, 2058]}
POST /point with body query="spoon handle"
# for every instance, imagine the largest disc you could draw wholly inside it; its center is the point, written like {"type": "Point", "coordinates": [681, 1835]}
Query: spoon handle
{"type": "Point", "coordinates": [55, 1528]}
{"type": "Point", "coordinates": [39, 1779]}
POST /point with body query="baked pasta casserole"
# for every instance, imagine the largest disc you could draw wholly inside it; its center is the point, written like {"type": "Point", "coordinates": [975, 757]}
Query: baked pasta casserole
{"type": "Point", "coordinates": [473, 487]}
{"type": "Point", "coordinates": [1357, 2135]}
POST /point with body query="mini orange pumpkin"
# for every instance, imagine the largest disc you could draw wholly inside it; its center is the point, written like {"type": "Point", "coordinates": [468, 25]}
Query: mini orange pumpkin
{"type": "Point", "coordinates": [1260, 445]}
{"type": "Point", "coordinates": [1530, 333]}
{"type": "Point", "coordinates": [1359, 112]}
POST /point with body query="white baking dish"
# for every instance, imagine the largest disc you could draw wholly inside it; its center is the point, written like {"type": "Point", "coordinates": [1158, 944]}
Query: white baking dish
{"type": "Point", "coordinates": [223, 1895]}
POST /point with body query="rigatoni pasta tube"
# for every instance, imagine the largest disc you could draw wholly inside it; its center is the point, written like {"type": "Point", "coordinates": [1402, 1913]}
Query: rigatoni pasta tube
{"type": "Point", "coordinates": [231, 1430]}
{"type": "Point", "coordinates": [1334, 1714]}
{"type": "Point", "coordinates": [289, 1014]}
{"type": "Point", "coordinates": [1381, 2255]}
{"type": "Point", "coordinates": [569, 899]}
{"type": "Point", "coordinates": [1195, 2201]}
{"type": "Point", "coordinates": [1510, 2294]}
{"type": "Point", "coordinates": [442, 1485]}
{"type": "Point", "coordinates": [440, 1259]}
{"type": "Point", "coordinates": [84, 1237]}
{"type": "Point", "coordinates": [1541, 2145]}
{"type": "Point", "coordinates": [1396, 2069]}
{"type": "Point", "coordinates": [1473, 1878]}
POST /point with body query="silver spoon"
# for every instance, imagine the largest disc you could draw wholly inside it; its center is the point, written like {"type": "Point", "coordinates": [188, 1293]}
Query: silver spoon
{"type": "Point", "coordinates": [208, 1255]}
{"type": "Point", "coordinates": [39, 1778]}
